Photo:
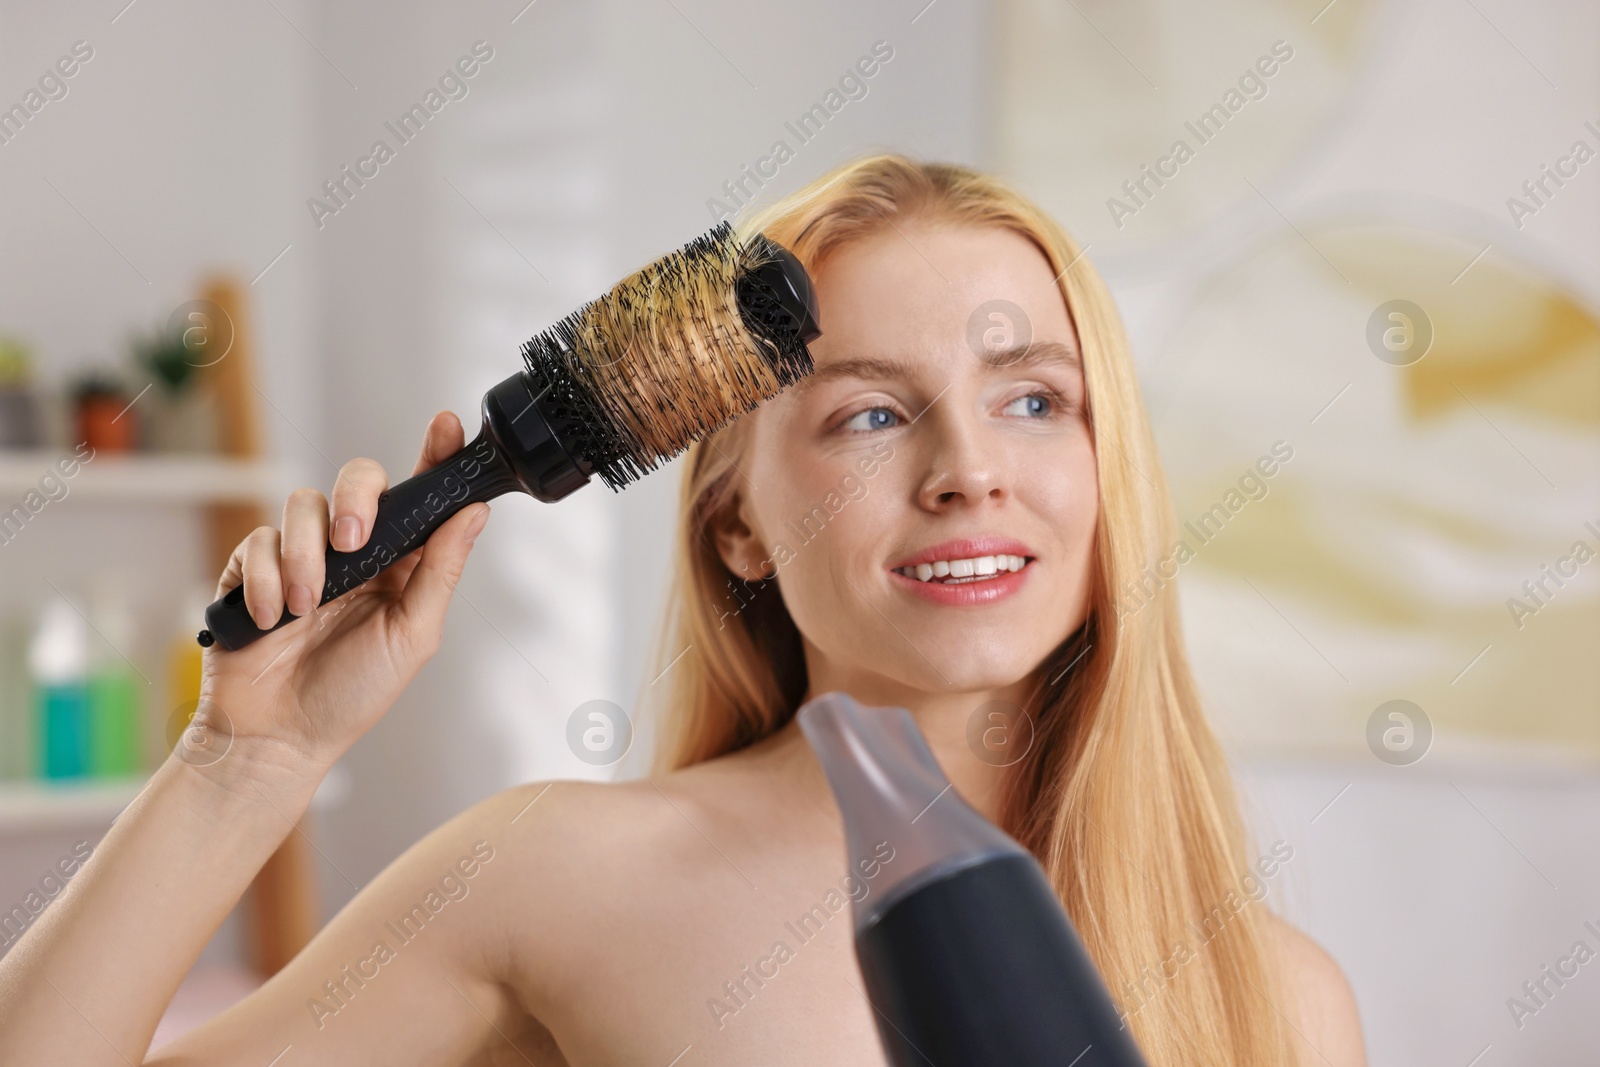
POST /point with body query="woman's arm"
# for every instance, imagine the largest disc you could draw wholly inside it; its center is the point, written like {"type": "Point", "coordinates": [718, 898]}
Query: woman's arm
{"type": "Point", "coordinates": [411, 970]}
{"type": "Point", "coordinates": [88, 982]}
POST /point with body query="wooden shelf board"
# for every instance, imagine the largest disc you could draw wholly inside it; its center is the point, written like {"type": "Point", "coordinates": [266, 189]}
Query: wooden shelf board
{"type": "Point", "coordinates": [32, 805]}
{"type": "Point", "coordinates": [37, 806]}
{"type": "Point", "coordinates": [143, 477]}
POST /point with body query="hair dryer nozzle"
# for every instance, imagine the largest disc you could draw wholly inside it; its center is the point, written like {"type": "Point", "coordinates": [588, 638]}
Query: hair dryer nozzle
{"type": "Point", "coordinates": [890, 788]}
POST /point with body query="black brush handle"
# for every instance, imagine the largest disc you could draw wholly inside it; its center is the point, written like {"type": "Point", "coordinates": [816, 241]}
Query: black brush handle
{"type": "Point", "coordinates": [408, 514]}
{"type": "Point", "coordinates": [515, 451]}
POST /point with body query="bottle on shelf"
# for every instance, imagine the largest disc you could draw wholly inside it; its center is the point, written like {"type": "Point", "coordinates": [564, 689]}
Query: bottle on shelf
{"type": "Point", "coordinates": [116, 689]}
{"type": "Point", "coordinates": [183, 669]}
{"type": "Point", "coordinates": [58, 663]}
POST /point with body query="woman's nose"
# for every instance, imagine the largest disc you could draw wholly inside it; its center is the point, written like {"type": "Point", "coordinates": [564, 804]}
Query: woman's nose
{"type": "Point", "coordinates": [964, 465]}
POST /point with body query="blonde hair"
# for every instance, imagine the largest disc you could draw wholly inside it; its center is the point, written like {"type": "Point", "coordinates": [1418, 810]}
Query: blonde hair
{"type": "Point", "coordinates": [1124, 797]}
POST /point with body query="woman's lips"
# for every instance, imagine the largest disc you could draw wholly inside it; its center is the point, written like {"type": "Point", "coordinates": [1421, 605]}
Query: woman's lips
{"type": "Point", "coordinates": [966, 592]}
{"type": "Point", "coordinates": [966, 548]}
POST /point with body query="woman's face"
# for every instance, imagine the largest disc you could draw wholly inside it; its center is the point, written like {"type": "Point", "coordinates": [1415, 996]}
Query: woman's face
{"type": "Point", "coordinates": [944, 425]}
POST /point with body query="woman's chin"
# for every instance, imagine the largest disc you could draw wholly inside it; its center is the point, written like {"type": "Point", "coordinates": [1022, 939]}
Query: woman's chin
{"type": "Point", "coordinates": [963, 672]}
{"type": "Point", "coordinates": [986, 676]}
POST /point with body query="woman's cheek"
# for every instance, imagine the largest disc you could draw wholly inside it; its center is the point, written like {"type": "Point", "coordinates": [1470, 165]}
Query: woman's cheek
{"type": "Point", "coordinates": [1064, 488]}
{"type": "Point", "coordinates": [835, 548]}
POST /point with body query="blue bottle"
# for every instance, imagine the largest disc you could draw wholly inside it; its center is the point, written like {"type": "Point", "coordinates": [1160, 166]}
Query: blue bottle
{"type": "Point", "coordinates": [58, 661]}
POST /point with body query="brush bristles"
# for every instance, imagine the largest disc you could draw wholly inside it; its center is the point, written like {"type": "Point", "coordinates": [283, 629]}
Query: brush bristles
{"type": "Point", "coordinates": [665, 358]}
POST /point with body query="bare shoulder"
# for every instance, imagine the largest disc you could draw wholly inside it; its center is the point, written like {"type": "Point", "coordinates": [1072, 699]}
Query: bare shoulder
{"type": "Point", "coordinates": [606, 824]}
{"type": "Point", "coordinates": [588, 848]}
{"type": "Point", "coordinates": [652, 826]}
{"type": "Point", "coordinates": [565, 838]}
{"type": "Point", "coordinates": [590, 874]}
{"type": "Point", "coordinates": [570, 844]}
{"type": "Point", "coordinates": [1322, 1005]}
{"type": "Point", "coordinates": [562, 811]}
{"type": "Point", "coordinates": [730, 797]}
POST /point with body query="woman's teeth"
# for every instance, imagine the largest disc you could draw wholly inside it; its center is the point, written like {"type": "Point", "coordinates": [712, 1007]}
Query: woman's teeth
{"type": "Point", "coordinates": [978, 569]}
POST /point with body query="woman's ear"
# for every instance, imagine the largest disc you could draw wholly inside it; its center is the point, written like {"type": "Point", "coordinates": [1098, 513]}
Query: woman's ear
{"type": "Point", "coordinates": [740, 548]}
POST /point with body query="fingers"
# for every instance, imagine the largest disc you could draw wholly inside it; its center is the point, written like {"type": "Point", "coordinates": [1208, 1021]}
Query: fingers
{"type": "Point", "coordinates": [233, 573]}
{"type": "Point", "coordinates": [361, 481]}
{"type": "Point", "coordinates": [290, 569]}
{"type": "Point", "coordinates": [355, 502]}
{"type": "Point", "coordinates": [263, 582]}
{"type": "Point", "coordinates": [443, 439]}
{"type": "Point", "coordinates": [427, 594]}
{"type": "Point", "coordinates": [304, 545]}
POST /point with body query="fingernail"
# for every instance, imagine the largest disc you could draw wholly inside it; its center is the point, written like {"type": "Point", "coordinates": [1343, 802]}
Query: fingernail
{"type": "Point", "coordinates": [261, 623]}
{"type": "Point", "coordinates": [300, 598]}
{"type": "Point", "coordinates": [347, 533]}
{"type": "Point", "coordinates": [475, 526]}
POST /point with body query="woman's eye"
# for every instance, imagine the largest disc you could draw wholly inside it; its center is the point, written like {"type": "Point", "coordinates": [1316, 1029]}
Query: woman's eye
{"type": "Point", "coordinates": [870, 419]}
{"type": "Point", "coordinates": [1033, 405]}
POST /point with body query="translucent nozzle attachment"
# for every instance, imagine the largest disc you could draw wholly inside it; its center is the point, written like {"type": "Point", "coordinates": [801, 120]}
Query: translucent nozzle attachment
{"type": "Point", "coordinates": [890, 789]}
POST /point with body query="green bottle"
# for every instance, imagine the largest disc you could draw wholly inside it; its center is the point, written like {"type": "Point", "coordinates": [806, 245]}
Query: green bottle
{"type": "Point", "coordinates": [115, 690]}
{"type": "Point", "coordinates": [113, 724]}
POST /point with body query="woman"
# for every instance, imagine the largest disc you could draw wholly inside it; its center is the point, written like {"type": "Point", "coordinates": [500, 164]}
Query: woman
{"type": "Point", "coordinates": [932, 520]}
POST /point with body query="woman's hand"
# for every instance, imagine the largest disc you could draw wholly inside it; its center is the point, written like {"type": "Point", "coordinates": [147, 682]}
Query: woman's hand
{"type": "Point", "coordinates": [300, 696]}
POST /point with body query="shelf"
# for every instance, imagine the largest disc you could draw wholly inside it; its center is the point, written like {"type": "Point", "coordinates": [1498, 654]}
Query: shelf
{"type": "Point", "coordinates": [37, 806]}
{"type": "Point", "coordinates": [144, 478]}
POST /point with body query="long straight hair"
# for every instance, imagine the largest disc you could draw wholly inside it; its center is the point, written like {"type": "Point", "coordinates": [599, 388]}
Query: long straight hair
{"type": "Point", "coordinates": [1124, 796]}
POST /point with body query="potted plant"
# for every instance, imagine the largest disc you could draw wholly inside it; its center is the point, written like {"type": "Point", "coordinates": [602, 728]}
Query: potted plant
{"type": "Point", "coordinates": [19, 406]}
{"type": "Point", "coordinates": [181, 416]}
{"type": "Point", "coordinates": [103, 412]}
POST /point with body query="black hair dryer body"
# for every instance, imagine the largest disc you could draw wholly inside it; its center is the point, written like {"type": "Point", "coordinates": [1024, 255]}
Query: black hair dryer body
{"type": "Point", "coordinates": [968, 956]}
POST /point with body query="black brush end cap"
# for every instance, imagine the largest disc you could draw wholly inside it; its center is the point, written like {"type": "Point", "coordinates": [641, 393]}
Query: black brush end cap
{"type": "Point", "coordinates": [785, 281]}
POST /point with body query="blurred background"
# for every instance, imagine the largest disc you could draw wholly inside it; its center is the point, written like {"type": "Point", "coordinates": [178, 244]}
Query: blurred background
{"type": "Point", "coordinates": [1360, 236]}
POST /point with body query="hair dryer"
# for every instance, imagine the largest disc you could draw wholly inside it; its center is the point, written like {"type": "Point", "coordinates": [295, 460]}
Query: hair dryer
{"type": "Point", "coordinates": [968, 956]}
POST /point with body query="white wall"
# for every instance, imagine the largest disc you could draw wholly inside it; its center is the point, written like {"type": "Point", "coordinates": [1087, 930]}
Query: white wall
{"type": "Point", "coordinates": [587, 146]}
{"type": "Point", "coordinates": [1440, 889]}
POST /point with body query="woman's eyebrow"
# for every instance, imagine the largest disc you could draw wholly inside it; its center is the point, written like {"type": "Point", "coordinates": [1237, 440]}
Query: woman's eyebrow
{"type": "Point", "coordinates": [859, 367]}
{"type": "Point", "coordinates": [1033, 355]}
{"type": "Point", "coordinates": [882, 367]}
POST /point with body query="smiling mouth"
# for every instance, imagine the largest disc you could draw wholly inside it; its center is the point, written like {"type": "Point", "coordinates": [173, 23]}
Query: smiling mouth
{"type": "Point", "coordinates": [965, 571]}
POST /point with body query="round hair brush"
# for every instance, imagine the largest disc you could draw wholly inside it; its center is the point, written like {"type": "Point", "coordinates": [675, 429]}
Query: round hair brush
{"type": "Point", "coordinates": [671, 354]}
